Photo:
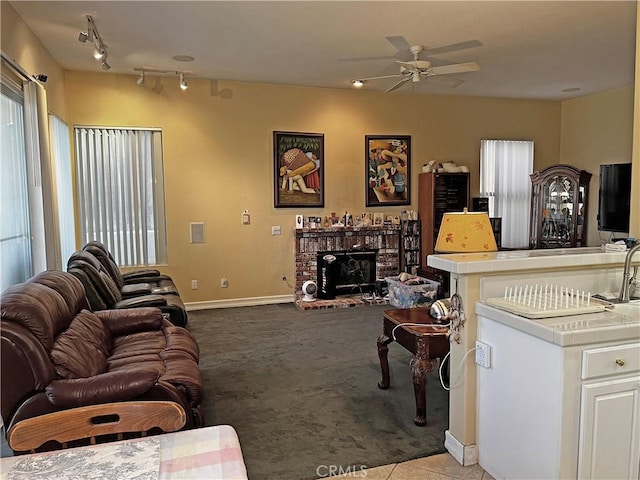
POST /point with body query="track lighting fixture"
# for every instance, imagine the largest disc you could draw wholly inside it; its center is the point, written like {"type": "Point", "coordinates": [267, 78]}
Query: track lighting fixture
{"type": "Point", "coordinates": [358, 83]}
{"type": "Point", "coordinates": [99, 48]}
{"type": "Point", "coordinates": [140, 81]}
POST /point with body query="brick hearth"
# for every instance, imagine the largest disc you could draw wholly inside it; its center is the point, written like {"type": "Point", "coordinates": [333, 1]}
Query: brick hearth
{"type": "Point", "coordinates": [309, 241]}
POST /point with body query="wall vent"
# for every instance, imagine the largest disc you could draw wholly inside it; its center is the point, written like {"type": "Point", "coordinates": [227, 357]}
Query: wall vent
{"type": "Point", "coordinates": [197, 232]}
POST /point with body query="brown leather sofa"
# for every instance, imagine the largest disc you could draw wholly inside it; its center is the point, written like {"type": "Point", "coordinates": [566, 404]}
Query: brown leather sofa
{"type": "Point", "coordinates": [57, 355]}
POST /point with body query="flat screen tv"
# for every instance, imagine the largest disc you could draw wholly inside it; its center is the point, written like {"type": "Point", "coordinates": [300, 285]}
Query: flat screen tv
{"type": "Point", "coordinates": [614, 197]}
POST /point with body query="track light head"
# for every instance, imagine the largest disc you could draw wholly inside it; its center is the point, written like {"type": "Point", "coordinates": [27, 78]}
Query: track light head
{"type": "Point", "coordinates": [99, 52]}
{"type": "Point", "coordinates": [140, 81]}
{"type": "Point", "coordinates": [183, 82]}
{"type": "Point", "coordinates": [83, 37]}
{"type": "Point", "coordinates": [105, 66]}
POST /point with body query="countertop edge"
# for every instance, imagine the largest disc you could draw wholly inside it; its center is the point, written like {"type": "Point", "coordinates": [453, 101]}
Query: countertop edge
{"type": "Point", "coordinates": [508, 261]}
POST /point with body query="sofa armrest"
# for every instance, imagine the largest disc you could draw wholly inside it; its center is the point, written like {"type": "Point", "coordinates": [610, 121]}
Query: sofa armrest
{"type": "Point", "coordinates": [132, 320]}
{"type": "Point", "coordinates": [135, 289]}
{"type": "Point", "coordinates": [132, 276]}
{"type": "Point", "coordinates": [95, 421]}
{"type": "Point", "coordinates": [103, 388]}
{"type": "Point", "coordinates": [146, 301]}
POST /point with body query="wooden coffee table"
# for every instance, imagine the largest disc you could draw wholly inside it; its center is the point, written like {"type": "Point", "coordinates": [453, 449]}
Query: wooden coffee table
{"type": "Point", "coordinates": [427, 343]}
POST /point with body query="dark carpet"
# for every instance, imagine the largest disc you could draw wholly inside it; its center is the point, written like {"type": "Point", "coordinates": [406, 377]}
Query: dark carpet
{"type": "Point", "coordinates": [300, 388]}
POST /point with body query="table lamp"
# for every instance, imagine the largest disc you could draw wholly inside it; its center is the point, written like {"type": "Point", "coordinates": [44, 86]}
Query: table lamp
{"type": "Point", "coordinates": [465, 232]}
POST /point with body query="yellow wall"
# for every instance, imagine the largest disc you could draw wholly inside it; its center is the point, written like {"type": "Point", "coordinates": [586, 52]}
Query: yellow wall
{"type": "Point", "coordinates": [218, 159]}
{"type": "Point", "coordinates": [21, 45]}
{"type": "Point", "coordinates": [597, 129]}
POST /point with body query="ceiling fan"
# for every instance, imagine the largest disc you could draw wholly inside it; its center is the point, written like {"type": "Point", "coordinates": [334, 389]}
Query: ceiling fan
{"type": "Point", "coordinates": [416, 69]}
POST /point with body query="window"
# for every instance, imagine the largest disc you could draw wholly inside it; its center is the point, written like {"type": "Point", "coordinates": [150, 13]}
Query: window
{"type": "Point", "coordinates": [15, 232]}
{"type": "Point", "coordinates": [505, 166]}
{"type": "Point", "coordinates": [121, 192]}
{"type": "Point", "coordinates": [30, 235]}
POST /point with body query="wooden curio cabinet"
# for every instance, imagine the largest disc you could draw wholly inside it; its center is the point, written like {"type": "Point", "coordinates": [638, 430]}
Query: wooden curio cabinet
{"type": "Point", "coordinates": [559, 207]}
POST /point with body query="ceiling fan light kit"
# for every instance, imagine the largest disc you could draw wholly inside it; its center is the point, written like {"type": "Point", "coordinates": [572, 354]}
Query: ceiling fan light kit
{"type": "Point", "coordinates": [415, 70]}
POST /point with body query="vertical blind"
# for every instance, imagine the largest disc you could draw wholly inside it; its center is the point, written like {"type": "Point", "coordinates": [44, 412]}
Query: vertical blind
{"type": "Point", "coordinates": [120, 192]}
{"type": "Point", "coordinates": [505, 166]}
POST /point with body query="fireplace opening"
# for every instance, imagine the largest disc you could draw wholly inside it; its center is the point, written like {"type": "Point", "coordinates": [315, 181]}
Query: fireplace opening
{"type": "Point", "coordinates": [346, 273]}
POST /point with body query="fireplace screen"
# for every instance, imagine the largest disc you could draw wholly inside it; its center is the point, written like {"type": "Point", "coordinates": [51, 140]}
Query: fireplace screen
{"type": "Point", "coordinates": [344, 273]}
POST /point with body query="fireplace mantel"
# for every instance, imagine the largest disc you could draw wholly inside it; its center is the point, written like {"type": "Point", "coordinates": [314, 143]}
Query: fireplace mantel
{"type": "Point", "coordinates": [309, 241]}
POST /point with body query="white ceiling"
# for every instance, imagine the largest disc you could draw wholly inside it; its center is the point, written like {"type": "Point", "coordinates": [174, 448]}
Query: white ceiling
{"type": "Point", "coordinates": [526, 49]}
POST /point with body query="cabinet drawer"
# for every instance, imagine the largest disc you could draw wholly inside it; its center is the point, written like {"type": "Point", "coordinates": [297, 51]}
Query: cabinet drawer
{"type": "Point", "coordinates": [618, 359]}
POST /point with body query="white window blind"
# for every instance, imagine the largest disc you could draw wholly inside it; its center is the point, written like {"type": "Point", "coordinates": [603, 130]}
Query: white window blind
{"type": "Point", "coordinates": [61, 157]}
{"type": "Point", "coordinates": [121, 192]}
{"type": "Point", "coordinates": [505, 166]}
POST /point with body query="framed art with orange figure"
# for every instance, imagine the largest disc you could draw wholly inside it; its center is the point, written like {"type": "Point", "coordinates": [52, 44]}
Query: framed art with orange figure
{"type": "Point", "coordinates": [388, 170]}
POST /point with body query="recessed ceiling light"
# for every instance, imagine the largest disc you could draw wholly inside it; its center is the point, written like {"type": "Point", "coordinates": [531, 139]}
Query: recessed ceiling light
{"type": "Point", "coordinates": [358, 83]}
{"type": "Point", "coordinates": [571, 89]}
{"type": "Point", "coordinates": [183, 58]}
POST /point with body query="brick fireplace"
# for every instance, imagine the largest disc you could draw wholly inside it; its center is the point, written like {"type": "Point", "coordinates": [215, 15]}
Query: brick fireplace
{"type": "Point", "coordinates": [384, 240]}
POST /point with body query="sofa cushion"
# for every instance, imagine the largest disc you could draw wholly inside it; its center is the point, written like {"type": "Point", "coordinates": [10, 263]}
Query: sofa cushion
{"type": "Point", "coordinates": [82, 349]}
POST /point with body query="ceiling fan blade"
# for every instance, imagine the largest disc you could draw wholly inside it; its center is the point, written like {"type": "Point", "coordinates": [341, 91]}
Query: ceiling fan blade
{"type": "Point", "coordinates": [398, 85]}
{"type": "Point", "coordinates": [381, 77]}
{"type": "Point", "coordinates": [450, 82]}
{"type": "Point", "coordinates": [453, 47]}
{"type": "Point", "coordinates": [399, 42]}
{"type": "Point", "coordinates": [455, 68]}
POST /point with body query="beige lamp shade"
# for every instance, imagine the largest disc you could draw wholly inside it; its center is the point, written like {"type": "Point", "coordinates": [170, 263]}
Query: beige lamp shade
{"type": "Point", "coordinates": [462, 232]}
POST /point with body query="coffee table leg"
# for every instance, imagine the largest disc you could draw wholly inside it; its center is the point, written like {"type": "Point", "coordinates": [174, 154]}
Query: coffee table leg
{"type": "Point", "coordinates": [383, 350]}
{"type": "Point", "coordinates": [420, 366]}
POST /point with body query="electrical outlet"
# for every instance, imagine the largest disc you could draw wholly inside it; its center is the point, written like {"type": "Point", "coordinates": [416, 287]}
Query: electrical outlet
{"type": "Point", "coordinates": [275, 230]}
{"type": "Point", "coordinates": [194, 284]}
{"type": "Point", "coordinates": [483, 354]}
{"type": "Point", "coordinates": [224, 283]}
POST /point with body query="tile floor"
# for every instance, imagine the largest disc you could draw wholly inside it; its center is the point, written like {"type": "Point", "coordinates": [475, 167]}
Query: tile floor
{"type": "Point", "coordinates": [435, 467]}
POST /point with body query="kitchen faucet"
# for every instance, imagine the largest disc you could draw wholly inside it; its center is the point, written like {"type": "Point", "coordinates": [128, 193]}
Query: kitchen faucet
{"type": "Point", "coordinates": [626, 281]}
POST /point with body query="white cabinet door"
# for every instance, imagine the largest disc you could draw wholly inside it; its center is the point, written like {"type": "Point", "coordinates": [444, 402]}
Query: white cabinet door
{"type": "Point", "coordinates": [610, 430]}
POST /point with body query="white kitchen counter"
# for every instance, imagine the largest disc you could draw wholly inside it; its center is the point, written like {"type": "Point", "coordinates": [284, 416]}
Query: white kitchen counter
{"type": "Point", "coordinates": [479, 276]}
{"type": "Point", "coordinates": [559, 397]}
{"type": "Point", "coordinates": [622, 323]}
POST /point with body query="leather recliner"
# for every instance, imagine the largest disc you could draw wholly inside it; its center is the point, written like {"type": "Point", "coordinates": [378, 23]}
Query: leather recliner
{"type": "Point", "coordinates": [57, 355]}
{"type": "Point", "coordinates": [103, 292]}
{"type": "Point", "coordinates": [134, 283]}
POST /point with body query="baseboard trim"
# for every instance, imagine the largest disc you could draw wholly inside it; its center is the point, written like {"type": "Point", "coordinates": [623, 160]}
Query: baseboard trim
{"type": "Point", "coordinates": [239, 302]}
{"type": "Point", "coordinates": [464, 454]}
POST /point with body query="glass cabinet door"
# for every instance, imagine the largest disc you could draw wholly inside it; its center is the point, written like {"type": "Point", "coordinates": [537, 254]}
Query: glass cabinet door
{"type": "Point", "coordinates": [558, 210]}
